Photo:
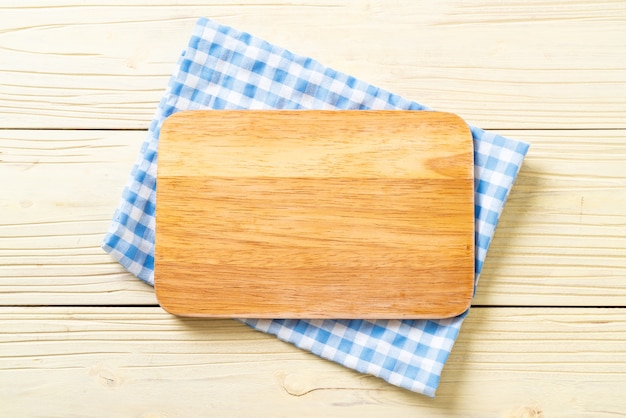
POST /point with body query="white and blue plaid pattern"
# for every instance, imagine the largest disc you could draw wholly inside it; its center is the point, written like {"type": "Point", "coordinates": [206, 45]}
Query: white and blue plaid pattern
{"type": "Point", "coordinates": [223, 68]}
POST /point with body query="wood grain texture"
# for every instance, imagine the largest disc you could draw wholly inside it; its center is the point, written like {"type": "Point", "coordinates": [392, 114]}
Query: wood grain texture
{"type": "Point", "coordinates": [561, 239]}
{"type": "Point", "coordinates": [142, 362]}
{"type": "Point", "coordinates": [58, 192]}
{"type": "Point", "coordinates": [506, 64]}
{"type": "Point", "coordinates": [315, 214]}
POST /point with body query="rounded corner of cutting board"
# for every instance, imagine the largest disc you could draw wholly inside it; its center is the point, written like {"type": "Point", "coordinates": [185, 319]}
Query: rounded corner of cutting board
{"type": "Point", "coordinates": [464, 303]}
{"type": "Point", "coordinates": [165, 299]}
{"type": "Point", "coordinates": [462, 126]}
{"type": "Point", "coordinates": [174, 117]}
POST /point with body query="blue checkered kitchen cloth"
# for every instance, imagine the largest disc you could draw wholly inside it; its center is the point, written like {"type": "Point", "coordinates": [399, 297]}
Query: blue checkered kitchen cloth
{"type": "Point", "coordinates": [223, 68]}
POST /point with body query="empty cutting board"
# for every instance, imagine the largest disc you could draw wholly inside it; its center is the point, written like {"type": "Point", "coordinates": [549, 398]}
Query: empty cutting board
{"type": "Point", "coordinates": [315, 214]}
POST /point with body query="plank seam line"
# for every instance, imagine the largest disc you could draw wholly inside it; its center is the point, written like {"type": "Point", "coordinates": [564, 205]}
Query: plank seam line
{"type": "Point", "coordinates": [493, 129]}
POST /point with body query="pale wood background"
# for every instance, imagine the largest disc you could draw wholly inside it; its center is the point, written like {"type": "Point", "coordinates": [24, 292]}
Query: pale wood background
{"type": "Point", "coordinates": [79, 81]}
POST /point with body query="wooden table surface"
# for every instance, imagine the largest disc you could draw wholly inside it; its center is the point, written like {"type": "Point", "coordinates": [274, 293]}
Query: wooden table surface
{"type": "Point", "coordinates": [79, 336]}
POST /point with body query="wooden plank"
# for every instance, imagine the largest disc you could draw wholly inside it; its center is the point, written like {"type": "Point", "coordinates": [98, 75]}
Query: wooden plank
{"type": "Point", "coordinates": [59, 192]}
{"type": "Point", "coordinates": [142, 362]}
{"type": "Point", "coordinates": [561, 239]}
{"type": "Point", "coordinates": [315, 214]}
{"type": "Point", "coordinates": [505, 64]}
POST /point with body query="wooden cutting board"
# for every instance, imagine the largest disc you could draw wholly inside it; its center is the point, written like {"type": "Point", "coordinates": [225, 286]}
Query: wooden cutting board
{"type": "Point", "coordinates": [315, 214]}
